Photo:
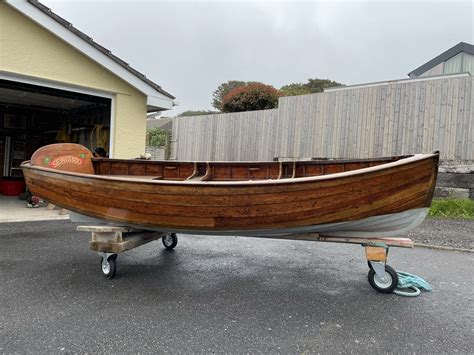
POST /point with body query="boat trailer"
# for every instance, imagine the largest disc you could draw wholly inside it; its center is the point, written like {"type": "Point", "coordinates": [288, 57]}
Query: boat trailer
{"type": "Point", "coordinates": [110, 241]}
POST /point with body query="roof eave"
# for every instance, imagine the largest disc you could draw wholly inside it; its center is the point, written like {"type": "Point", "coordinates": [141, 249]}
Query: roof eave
{"type": "Point", "coordinates": [155, 103]}
{"type": "Point", "coordinates": [42, 15]}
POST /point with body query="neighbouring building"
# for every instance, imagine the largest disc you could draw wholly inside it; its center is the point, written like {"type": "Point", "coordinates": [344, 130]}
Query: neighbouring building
{"type": "Point", "coordinates": [58, 84]}
{"type": "Point", "coordinates": [456, 60]}
{"type": "Point", "coordinates": [456, 177]}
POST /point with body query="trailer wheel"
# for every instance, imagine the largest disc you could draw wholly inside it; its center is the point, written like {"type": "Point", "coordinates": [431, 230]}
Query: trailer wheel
{"type": "Point", "coordinates": [170, 241]}
{"type": "Point", "coordinates": [108, 265]}
{"type": "Point", "coordinates": [385, 285]}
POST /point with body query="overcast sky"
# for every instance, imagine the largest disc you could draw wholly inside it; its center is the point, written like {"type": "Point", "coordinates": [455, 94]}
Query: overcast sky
{"type": "Point", "coordinates": [190, 47]}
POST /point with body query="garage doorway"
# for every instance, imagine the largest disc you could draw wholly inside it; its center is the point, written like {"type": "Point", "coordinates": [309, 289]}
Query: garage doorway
{"type": "Point", "coordinates": [32, 116]}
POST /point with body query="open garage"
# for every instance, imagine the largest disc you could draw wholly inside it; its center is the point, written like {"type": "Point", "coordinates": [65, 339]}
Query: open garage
{"type": "Point", "coordinates": [33, 116]}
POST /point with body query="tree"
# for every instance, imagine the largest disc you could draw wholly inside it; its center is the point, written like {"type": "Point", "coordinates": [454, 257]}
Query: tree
{"type": "Point", "coordinates": [312, 86]}
{"type": "Point", "coordinates": [196, 113]}
{"type": "Point", "coordinates": [295, 89]}
{"type": "Point", "coordinates": [318, 85]}
{"type": "Point", "coordinates": [222, 90]}
{"type": "Point", "coordinates": [255, 96]}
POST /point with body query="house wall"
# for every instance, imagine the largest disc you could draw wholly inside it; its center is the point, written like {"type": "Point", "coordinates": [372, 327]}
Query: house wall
{"type": "Point", "coordinates": [392, 118]}
{"type": "Point", "coordinates": [435, 71]}
{"type": "Point", "coordinates": [28, 49]}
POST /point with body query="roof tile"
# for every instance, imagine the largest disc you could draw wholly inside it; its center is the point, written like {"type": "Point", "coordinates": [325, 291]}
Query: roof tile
{"type": "Point", "coordinates": [97, 46]}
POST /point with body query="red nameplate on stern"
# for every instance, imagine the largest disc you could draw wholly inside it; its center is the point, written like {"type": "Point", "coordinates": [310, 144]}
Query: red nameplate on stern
{"type": "Point", "coordinates": [64, 156]}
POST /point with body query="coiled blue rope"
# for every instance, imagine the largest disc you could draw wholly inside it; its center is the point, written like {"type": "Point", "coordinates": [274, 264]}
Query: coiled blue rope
{"type": "Point", "coordinates": [407, 281]}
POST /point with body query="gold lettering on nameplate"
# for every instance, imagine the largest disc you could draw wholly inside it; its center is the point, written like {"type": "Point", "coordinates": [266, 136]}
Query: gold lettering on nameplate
{"type": "Point", "coordinates": [65, 160]}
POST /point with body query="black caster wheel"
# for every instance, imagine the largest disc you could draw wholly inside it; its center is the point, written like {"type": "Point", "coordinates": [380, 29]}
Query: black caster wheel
{"type": "Point", "coordinates": [108, 265]}
{"type": "Point", "coordinates": [170, 241]}
{"type": "Point", "coordinates": [386, 284]}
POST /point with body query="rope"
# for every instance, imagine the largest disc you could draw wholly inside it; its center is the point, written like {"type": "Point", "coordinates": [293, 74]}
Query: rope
{"type": "Point", "coordinates": [409, 285]}
{"type": "Point", "coordinates": [407, 281]}
{"type": "Point", "coordinates": [416, 292]}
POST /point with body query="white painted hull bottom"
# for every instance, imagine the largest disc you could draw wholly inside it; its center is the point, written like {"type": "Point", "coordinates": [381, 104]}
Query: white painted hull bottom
{"type": "Point", "coordinates": [389, 225]}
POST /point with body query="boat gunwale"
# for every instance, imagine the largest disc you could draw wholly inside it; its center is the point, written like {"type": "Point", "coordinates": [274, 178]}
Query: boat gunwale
{"type": "Point", "coordinates": [264, 182]}
{"type": "Point", "coordinates": [322, 161]}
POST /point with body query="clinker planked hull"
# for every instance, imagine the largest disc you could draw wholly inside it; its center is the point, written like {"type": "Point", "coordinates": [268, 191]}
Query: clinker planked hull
{"type": "Point", "coordinates": [271, 207]}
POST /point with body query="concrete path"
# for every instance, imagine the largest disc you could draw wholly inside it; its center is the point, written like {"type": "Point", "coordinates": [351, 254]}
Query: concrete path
{"type": "Point", "coordinates": [13, 209]}
{"type": "Point", "coordinates": [213, 294]}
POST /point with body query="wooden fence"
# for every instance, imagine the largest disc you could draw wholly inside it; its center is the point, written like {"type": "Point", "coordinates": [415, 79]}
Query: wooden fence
{"type": "Point", "coordinates": [157, 153]}
{"type": "Point", "coordinates": [391, 118]}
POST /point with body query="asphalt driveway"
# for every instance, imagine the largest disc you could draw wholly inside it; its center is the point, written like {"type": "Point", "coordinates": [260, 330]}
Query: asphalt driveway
{"type": "Point", "coordinates": [214, 294]}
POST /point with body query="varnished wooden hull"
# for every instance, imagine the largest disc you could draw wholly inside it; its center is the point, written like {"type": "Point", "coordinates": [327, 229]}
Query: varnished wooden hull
{"type": "Point", "coordinates": [246, 207]}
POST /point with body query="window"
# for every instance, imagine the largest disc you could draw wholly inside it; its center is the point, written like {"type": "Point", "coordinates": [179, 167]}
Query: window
{"type": "Point", "coordinates": [468, 63]}
{"type": "Point", "coordinates": [453, 65]}
{"type": "Point", "coordinates": [460, 63]}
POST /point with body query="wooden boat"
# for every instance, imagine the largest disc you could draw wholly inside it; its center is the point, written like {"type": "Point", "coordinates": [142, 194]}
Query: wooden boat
{"type": "Point", "coordinates": [379, 197]}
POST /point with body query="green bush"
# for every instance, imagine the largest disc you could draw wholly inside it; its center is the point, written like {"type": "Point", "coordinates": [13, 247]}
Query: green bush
{"type": "Point", "coordinates": [295, 89]}
{"type": "Point", "coordinates": [197, 113]}
{"type": "Point", "coordinates": [157, 137]}
{"type": "Point", "coordinates": [312, 86]}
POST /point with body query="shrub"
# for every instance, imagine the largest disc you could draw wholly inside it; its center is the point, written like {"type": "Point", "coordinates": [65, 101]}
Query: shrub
{"type": "Point", "coordinates": [312, 86]}
{"type": "Point", "coordinates": [295, 89]}
{"type": "Point", "coordinates": [196, 113]}
{"type": "Point", "coordinates": [255, 96]}
{"type": "Point", "coordinates": [157, 137]}
{"type": "Point", "coordinates": [223, 89]}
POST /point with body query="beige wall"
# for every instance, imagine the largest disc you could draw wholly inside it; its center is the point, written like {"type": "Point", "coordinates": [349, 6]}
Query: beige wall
{"type": "Point", "coordinates": [28, 49]}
